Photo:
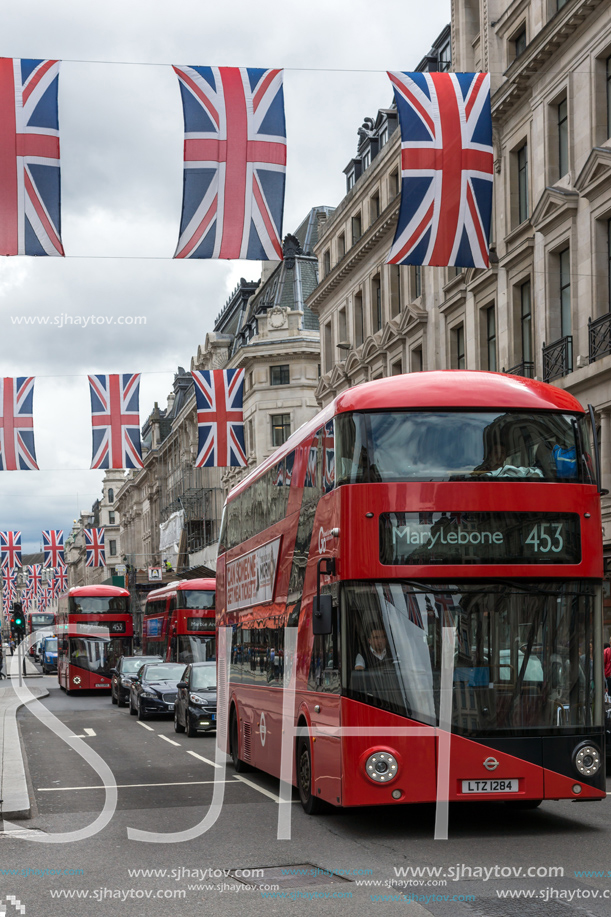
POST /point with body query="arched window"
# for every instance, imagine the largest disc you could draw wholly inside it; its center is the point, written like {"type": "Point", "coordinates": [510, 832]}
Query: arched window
{"type": "Point", "coordinates": [111, 495]}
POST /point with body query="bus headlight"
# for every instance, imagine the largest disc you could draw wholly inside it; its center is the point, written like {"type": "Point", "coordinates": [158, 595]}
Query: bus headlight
{"type": "Point", "coordinates": [381, 767]}
{"type": "Point", "coordinates": [587, 760]}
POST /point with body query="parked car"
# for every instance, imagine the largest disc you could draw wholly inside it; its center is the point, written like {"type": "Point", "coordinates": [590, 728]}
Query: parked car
{"type": "Point", "coordinates": [154, 689]}
{"type": "Point", "coordinates": [124, 674]}
{"type": "Point", "coordinates": [195, 708]}
{"type": "Point", "coordinates": [48, 654]}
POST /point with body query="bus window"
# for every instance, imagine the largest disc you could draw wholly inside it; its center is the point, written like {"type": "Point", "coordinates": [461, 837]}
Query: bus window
{"type": "Point", "coordinates": [459, 446]}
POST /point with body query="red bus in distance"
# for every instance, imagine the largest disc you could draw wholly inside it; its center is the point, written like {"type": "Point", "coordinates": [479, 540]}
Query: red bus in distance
{"type": "Point", "coordinates": [432, 499]}
{"type": "Point", "coordinates": [178, 622]}
{"type": "Point", "coordinates": [40, 620]}
{"type": "Point", "coordinates": [84, 656]}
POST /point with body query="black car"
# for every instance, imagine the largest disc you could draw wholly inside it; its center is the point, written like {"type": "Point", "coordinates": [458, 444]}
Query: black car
{"type": "Point", "coordinates": [154, 688]}
{"type": "Point", "coordinates": [124, 674]}
{"type": "Point", "coordinates": [195, 708]}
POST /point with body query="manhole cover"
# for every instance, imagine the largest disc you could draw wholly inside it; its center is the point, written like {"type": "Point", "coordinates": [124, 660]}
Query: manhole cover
{"type": "Point", "coordinates": [296, 875]}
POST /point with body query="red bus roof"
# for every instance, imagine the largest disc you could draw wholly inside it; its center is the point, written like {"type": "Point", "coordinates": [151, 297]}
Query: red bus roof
{"type": "Point", "coordinates": [434, 390]}
{"type": "Point", "coordinates": [97, 590]}
{"type": "Point", "coordinates": [204, 585]}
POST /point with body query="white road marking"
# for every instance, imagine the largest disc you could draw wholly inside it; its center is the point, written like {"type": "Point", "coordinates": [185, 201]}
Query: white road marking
{"type": "Point", "coordinates": [260, 789]}
{"type": "Point", "coordinates": [126, 786]}
{"type": "Point", "coordinates": [89, 732]}
{"type": "Point", "coordinates": [201, 758]}
{"type": "Point", "coordinates": [171, 741]}
{"type": "Point", "coordinates": [144, 726]}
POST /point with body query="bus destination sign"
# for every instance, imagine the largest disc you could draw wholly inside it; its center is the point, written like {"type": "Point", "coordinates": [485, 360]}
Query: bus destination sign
{"type": "Point", "coordinates": [479, 538]}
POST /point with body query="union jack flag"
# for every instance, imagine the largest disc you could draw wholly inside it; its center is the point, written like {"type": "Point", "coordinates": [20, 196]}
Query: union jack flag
{"type": "Point", "coordinates": [234, 163]}
{"type": "Point", "coordinates": [29, 158]}
{"type": "Point", "coordinates": [288, 469]}
{"type": "Point", "coordinates": [220, 419]}
{"type": "Point", "coordinates": [53, 546]}
{"type": "Point", "coordinates": [61, 579]}
{"type": "Point", "coordinates": [9, 581]}
{"type": "Point", "coordinates": [94, 543]}
{"type": "Point", "coordinates": [17, 452]}
{"type": "Point", "coordinates": [10, 548]}
{"type": "Point", "coordinates": [329, 457]}
{"type": "Point", "coordinates": [115, 420]}
{"type": "Point", "coordinates": [35, 575]}
{"type": "Point", "coordinates": [413, 609]}
{"type": "Point", "coordinates": [446, 169]}
{"type": "Point", "coordinates": [310, 475]}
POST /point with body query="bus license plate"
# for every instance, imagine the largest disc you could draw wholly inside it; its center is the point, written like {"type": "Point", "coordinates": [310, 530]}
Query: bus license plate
{"type": "Point", "coordinates": [490, 786]}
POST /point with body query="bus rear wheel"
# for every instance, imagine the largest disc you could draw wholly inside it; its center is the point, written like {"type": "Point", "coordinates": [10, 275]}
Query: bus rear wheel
{"type": "Point", "coordinates": [239, 766]}
{"type": "Point", "coordinates": [311, 804]}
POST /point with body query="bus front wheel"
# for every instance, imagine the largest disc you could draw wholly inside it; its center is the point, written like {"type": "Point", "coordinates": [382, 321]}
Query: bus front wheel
{"type": "Point", "coordinates": [311, 804]}
{"type": "Point", "coordinates": [239, 766]}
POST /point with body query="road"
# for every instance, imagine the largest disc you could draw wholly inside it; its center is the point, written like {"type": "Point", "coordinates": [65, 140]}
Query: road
{"type": "Point", "coordinates": [164, 787]}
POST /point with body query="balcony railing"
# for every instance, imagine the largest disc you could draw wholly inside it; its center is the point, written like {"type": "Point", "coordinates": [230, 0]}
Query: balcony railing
{"type": "Point", "coordinates": [525, 368]}
{"type": "Point", "coordinates": [558, 358]}
{"type": "Point", "coordinates": [599, 336]}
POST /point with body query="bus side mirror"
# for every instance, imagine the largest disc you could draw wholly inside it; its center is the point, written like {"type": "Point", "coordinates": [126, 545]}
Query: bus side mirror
{"type": "Point", "coordinates": [322, 611]}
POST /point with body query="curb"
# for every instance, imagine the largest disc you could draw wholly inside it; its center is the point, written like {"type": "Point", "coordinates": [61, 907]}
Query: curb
{"type": "Point", "coordinates": [14, 793]}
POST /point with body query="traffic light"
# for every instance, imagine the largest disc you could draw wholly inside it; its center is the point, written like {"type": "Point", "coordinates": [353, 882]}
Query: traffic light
{"type": "Point", "coordinates": [18, 620]}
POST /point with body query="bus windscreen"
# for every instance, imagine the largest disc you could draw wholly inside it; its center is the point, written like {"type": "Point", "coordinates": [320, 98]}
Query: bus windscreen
{"type": "Point", "coordinates": [99, 605]}
{"type": "Point", "coordinates": [394, 446]}
{"type": "Point", "coordinates": [197, 599]}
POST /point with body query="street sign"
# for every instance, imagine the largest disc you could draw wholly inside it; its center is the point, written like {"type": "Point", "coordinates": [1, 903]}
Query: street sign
{"type": "Point", "coordinates": [155, 574]}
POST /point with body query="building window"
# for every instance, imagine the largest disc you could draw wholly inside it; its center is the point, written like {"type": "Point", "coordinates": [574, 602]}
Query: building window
{"type": "Point", "coordinates": [111, 495]}
{"type": "Point", "coordinates": [393, 184]}
{"type": "Point", "coordinates": [111, 518]}
{"type": "Point", "coordinates": [376, 304]}
{"type": "Point", "coordinates": [341, 246]}
{"type": "Point", "coordinates": [491, 338]}
{"type": "Point", "coordinates": [417, 278]}
{"type": "Point", "coordinates": [281, 428]}
{"type": "Point", "coordinates": [326, 263]}
{"type": "Point", "coordinates": [366, 159]}
{"type": "Point", "coordinates": [523, 183]}
{"type": "Point", "coordinates": [565, 292]}
{"type": "Point", "coordinates": [356, 228]}
{"type": "Point", "coordinates": [417, 364]}
{"type": "Point", "coordinates": [112, 548]}
{"type": "Point", "coordinates": [458, 341]}
{"type": "Point", "coordinates": [445, 57]}
{"type": "Point", "coordinates": [608, 97]}
{"type": "Point", "coordinates": [384, 136]}
{"type": "Point", "coordinates": [328, 347]}
{"type": "Point", "coordinates": [341, 326]}
{"type": "Point", "coordinates": [251, 433]}
{"type": "Point", "coordinates": [563, 138]}
{"type": "Point", "coordinates": [560, 4]}
{"type": "Point", "coordinates": [395, 289]}
{"type": "Point", "coordinates": [374, 207]}
{"type": "Point", "coordinates": [279, 375]}
{"type": "Point", "coordinates": [350, 179]}
{"type": "Point", "coordinates": [396, 368]}
{"type": "Point", "coordinates": [251, 380]}
{"type": "Point", "coordinates": [526, 324]}
{"type": "Point", "coordinates": [359, 325]}
{"type": "Point", "coordinates": [519, 41]}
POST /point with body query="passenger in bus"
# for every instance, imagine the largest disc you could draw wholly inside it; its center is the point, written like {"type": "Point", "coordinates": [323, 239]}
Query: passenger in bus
{"type": "Point", "coordinates": [377, 654]}
{"type": "Point", "coordinates": [497, 465]}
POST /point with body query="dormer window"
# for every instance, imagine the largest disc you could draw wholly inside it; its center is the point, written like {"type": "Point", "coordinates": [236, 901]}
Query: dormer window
{"type": "Point", "coordinates": [326, 263]}
{"type": "Point", "coordinates": [350, 179]}
{"type": "Point", "coordinates": [384, 136]}
{"type": "Point", "coordinates": [445, 57]}
{"type": "Point", "coordinates": [366, 159]}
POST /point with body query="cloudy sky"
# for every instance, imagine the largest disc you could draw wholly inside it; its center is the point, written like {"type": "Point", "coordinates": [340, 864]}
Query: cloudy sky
{"type": "Point", "coordinates": [121, 150]}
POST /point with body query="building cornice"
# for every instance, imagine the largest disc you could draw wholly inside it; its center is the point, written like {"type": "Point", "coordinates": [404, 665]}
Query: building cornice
{"type": "Point", "coordinates": [554, 205]}
{"type": "Point", "coordinates": [595, 176]}
{"type": "Point", "coordinates": [383, 227]}
{"type": "Point", "coordinates": [521, 74]}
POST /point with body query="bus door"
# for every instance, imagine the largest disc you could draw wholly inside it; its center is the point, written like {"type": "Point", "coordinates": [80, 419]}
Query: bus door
{"type": "Point", "coordinates": [324, 706]}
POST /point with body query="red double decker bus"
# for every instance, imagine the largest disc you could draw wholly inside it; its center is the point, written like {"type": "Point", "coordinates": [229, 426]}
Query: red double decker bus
{"type": "Point", "coordinates": [85, 656]}
{"type": "Point", "coordinates": [40, 620]}
{"type": "Point", "coordinates": [415, 504]}
{"type": "Point", "coordinates": [178, 622]}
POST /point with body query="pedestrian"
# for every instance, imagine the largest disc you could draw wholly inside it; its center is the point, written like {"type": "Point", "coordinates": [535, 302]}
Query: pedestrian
{"type": "Point", "coordinates": [2, 675]}
{"type": "Point", "coordinates": [11, 645]}
{"type": "Point", "coordinates": [607, 661]}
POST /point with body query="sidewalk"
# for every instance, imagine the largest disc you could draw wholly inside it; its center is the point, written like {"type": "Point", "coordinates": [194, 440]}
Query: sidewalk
{"type": "Point", "coordinates": [13, 785]}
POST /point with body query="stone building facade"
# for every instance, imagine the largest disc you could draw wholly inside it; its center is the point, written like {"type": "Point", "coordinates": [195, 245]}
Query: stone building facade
{"type": "Point", "coordinates": [543, 309]}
